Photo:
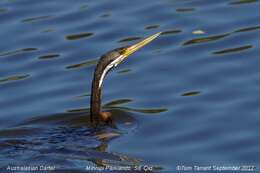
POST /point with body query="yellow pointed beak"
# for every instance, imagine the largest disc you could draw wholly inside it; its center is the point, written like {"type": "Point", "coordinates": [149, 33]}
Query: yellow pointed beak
{"type": "Point", "coordinates": [131, 49]}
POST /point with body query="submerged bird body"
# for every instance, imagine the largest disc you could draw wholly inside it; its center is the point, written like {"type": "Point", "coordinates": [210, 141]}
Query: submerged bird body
{"type": "Point", "coordinates": [107, 62]}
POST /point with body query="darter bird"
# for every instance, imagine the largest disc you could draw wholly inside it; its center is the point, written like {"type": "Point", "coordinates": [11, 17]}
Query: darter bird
{"type": "Point", "coordinates": [107, 62]}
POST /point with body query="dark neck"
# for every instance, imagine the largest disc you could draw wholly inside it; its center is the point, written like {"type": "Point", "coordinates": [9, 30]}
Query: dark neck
{"type": "Point", "coordinates": [96, 91]}
{"type": "Point", "coordinates": [96, 113]}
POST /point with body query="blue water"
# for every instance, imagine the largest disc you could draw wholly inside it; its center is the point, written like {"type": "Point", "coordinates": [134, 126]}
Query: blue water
{"type": "Point", "coordinates": [190, 98]}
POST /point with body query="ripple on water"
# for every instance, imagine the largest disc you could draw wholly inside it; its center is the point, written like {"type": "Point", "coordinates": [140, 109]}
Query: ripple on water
{"type": "Point", "coordinates": [152, 27]}
{"type": "Point", "coordinates": [241, 2]}
{"type": "Point", "coordinates": [176, 99]}
{"type": "Point", "coordinates": [233, 50]}
{"type": "Point", "coordinates": [3, 10]}
{"type": "Point", "coordinates": [49, 56]}
{"type": "Point", "coordinates": [105, 15]}
{"type": "Point", "coordinates": [57, 143]}
{"type": "Point", "coordinates": [130, 39]}
{"type": "Point", "coordinates": [191, 93]}
{"type": "Point", "coordinates": [35, 19]}
{"type": "Point", "coordinates": [123, 71]}
{"type": "Point", "coordinates": [206, 39]}
{"type": "Point", "coordinates": [48, 30]}
{"type": "Point", "coordinates": [14, 78]}
{"type": "Point", "coordinates": [248, 29]}
{"type": "Point", "coordinates": [83, 7]}
{"type": "Point", "coordinates": [83, 64]}
{"type": "Point", "coordinates": [19, 51]}
{"type": "Point", "coordinates": [185, 9]}
{"type": "Point", "coordinates": [79, 36]}
{"type": "Point", "coordinates": [115, 105]}
{"type": "Point", "coordinates": [169, 32]}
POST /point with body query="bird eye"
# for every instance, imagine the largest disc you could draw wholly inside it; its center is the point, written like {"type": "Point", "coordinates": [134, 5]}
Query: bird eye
{"type": "Point", "coordinates": [123, 50]}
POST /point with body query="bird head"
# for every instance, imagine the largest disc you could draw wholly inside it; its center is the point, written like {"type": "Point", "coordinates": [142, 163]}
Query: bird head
{"type": "Point", "coordinates": [111, 59]}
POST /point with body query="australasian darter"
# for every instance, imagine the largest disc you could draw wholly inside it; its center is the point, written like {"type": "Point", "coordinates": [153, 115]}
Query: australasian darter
{"type": "Point", "coordinates": [107, 62]}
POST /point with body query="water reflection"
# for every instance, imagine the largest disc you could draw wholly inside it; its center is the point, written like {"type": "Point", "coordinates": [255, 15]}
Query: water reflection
{"type": "Point", "coordinates": [206, 39]}
{"type": "Point", "coordinates": [185, 9]}
{"type": "Point", "coordinates": [130, 39]}
{"type": "Point", "coordinates": [48, 30]}
{"type": "Point", "coordinates": [79, 36]}
{"type": "Point", "coordinates": [83, 95]}
{"type": "Point", "coordinates": [139, 110]}
{"type": "Point", "coordinates": [115, 105]}
{"type": "Point", "coordinates": [238, 2]}
{"type": "Point", "coordinates": [118, 102]}
{"type": "Point", "coordinates": [83, 64]}
{"type": "Point", "coordinates": [232, 50]}
{"type": "Point", "coordinates": [3, 10]}
{"type": "Point", "coordinates": [14, 78]}
{"type": "Point", "coordinates": [218, 37]}
{"type": "Point", "coordinates": [49, 56]}
{"type": "Point", "coordinates": [174, 31]}
{"type": "Point", "coordinates": [83, 7]}
{"type": "Point", "coordinates": [191, 93]}
{"type": "Point", "coordinates": [152, 27]}
{"type": "Point", "coordinates": [15, 52]}
{"type": "Point", "coordinates": [198, 32]}
{"type": "Point", "coordinates": [107, 136]}
{"type": "Point", "coordinates": [124, 71]}
{"type": "Point", "coordinates": [69, 138]}
{"type": "Point", "coordinates": [64, 146]}
{"type": "Point", "coordinates": [118, 105]}
{"type": "Point", "coordinates": [45, 119]}
{"type": "Point", "coordinates": [34, 19]}
{"type": "Point", "coordinates": [108, 14]}
{"type": "Point", "coordinates": [248, 29]}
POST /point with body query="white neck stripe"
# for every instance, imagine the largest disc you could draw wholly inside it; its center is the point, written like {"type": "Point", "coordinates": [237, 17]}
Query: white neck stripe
{"type": "Point", "coordinates": [108, 67]}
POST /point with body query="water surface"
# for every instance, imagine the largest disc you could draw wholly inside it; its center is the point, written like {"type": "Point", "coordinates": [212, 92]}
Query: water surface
{"type": "Point", "coordinates": [189, 98]}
